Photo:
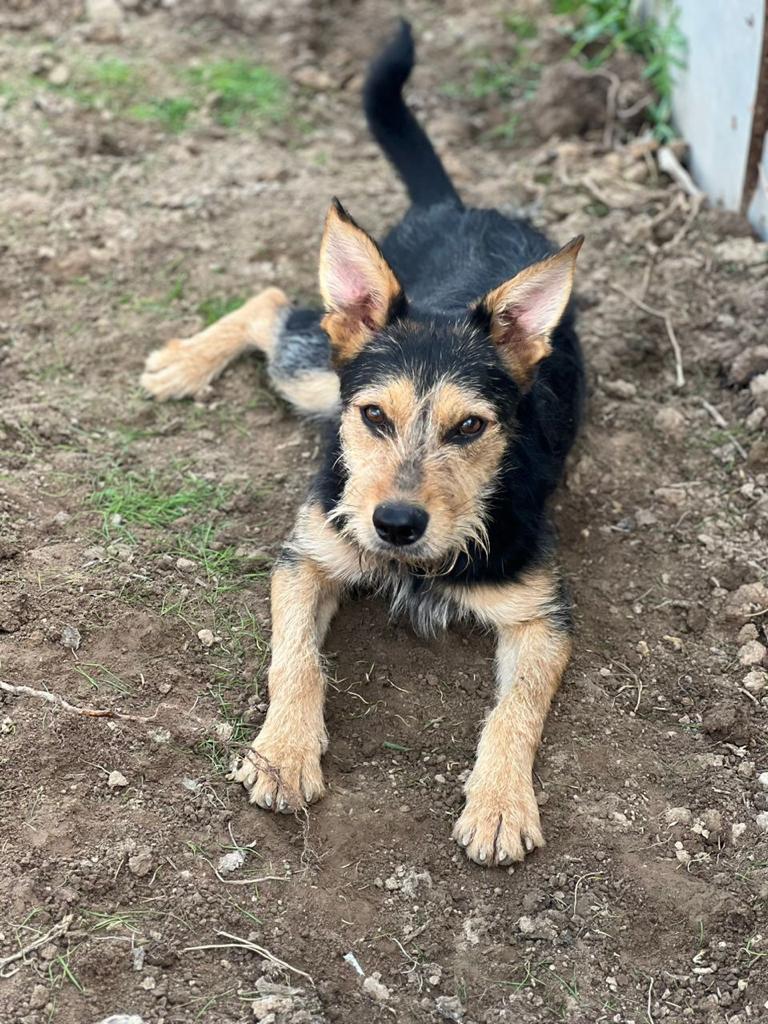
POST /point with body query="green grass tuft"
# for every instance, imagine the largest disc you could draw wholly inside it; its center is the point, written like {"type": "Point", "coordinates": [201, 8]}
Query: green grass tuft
{"type": "Point", "coordinates": [127, 498]}
{"type": "Point", "coordinates": [215, 307]}
{"type": "Point", "coordinates": [242, 92]}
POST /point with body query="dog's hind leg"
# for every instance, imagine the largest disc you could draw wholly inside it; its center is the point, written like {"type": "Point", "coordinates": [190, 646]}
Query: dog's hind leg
{"type": "Point", "coordinates": [296, 347]}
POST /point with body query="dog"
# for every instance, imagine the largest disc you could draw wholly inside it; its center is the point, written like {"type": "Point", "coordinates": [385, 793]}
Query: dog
{"type": "Point", "coordinates": [449, 367]}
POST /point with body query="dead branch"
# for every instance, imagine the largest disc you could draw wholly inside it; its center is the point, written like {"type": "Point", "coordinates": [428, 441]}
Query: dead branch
{"type": "Point", "coordinates": [61, 702]}
{"type": "Point", "coordinates": [667, 319]}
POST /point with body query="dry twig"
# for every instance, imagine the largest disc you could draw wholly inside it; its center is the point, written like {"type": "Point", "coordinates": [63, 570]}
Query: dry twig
{"type": "Point", "coordinates": [53, 933]}
{"type": "Point", "coordinates": [239, 943]}
{"type": "Point", "coordinates": [59, 701]}
{"type": "Point", "coordinates": [679, 375]}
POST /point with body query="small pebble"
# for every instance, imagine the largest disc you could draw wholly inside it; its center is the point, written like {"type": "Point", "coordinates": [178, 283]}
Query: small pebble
{"type": "Point", "coordinates": [117, 780]}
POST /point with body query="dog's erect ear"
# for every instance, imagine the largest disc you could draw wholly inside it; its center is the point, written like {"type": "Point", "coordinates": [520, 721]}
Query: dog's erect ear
{"type": "Point", "coordinates": [359, 288]}
{"type": "Point", "coordinates": [526, 309]}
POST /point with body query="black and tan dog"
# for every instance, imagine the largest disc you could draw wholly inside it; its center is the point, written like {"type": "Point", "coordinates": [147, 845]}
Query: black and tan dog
{"type": "Point", "coordinates": [448, 363]}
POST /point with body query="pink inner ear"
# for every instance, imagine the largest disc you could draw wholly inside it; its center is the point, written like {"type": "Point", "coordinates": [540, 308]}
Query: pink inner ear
{"type": "Point", "coordinates": [537, 307]}
{"type": "Point", "coordinates": [348, 285]}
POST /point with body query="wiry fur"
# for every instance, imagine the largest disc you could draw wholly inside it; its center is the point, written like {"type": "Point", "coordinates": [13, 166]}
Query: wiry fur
{"type": "Point", "coordinates": [460, 316]}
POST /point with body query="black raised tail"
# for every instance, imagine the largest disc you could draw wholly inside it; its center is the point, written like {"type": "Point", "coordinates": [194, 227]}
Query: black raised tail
{"type": "Point", "coordinates": [396, 129]}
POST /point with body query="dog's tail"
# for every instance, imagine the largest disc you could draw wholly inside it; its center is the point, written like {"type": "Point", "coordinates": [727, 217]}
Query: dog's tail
{"type": "Point", "coordinates": [396, 129]}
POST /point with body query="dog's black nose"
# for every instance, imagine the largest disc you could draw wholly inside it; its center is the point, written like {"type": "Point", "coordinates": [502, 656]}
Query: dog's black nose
{"type": "Point", "coordinates": [399, 523]}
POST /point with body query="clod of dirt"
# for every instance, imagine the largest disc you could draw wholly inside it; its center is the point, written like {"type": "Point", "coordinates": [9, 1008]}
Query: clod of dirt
{"type": "Point", "coordinates": [748, 364]}
{"type": "Point", "coordinates": [755, 419]}
{"type": "Point", "coordinates": [755, 681]}
{"type": "Point", "coordinates": [38, 997]}
{"type": "Point", "coordinates": [537, 927]}
{"type": "Point", "coordinates": [449, 1008]}
{"type": "Point", "coordinates": [745, 250]}
{"type": "Point", "coordinates": [117, 780]}
{"type": "Point", "coordinates": [752, 653]}
{"type": "Point", "coordinates": [670, 421]}
{"type": "Point", "coordinates": [746, 602]}
{"type": "Point", "coordinates": [408, 881]}
{"type": "Point", "coordinates": [762, 821]}
{"type": "Point", "coordinates": [281, 1004]}
{"type": "Point", "coordinates": [185, 565]}
{"type": "Point", "coordinates": [569, 101]}
{"type": "Point", "coordinates": [758, 388]}
{"type": "Point", "coordinates": [140, 864]}
{"type": "Point", "coordinates": [678, 816]}
{"type": "Point", "coordinates": [70, 637]}
{"type": "Point", "coordinates": [105, 19]}
{"type": "Point", "coordinates": [728, 723]}
{"type": "Point", "coordinates": [622, 389]}
{"type": "Point", "coordinates": [206, 637]}
{"type": "Point", "coordinates": [373, 987]}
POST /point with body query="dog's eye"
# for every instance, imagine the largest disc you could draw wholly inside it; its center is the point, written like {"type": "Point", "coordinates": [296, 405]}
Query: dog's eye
{"type": "Point", "coordinates": [374, 415]}
{"type": "Point", "coordinates": [470, 427]}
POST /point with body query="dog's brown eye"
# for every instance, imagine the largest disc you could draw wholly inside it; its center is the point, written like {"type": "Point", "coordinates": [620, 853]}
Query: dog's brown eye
{"type": "Point", "coordinates": [470, 427]}
{"type": "Point", "coordinates": [374, 415]}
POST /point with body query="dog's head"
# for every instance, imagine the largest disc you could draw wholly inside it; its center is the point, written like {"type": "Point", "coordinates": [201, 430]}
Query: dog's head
{"type": "Point", "coordinates": [428, 406]}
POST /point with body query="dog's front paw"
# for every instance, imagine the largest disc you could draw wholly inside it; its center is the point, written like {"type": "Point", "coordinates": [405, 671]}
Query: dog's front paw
{"type": "Point", "coordinates": [499, 824]}
{"type": "Point", "coordinates": [279, 775]}
{"type": "Point", "coordinates": [180, 369]}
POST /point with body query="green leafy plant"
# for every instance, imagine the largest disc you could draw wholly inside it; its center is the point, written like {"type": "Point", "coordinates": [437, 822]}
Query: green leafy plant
{"type": "Point", "coordinates": [601, 27]}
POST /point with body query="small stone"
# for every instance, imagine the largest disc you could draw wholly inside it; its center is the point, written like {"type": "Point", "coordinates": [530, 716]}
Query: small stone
{"type": "Point", "coordinates": [59, 75]}
{"type": "Point", "coordinates": [147, 983]}
{"type": "Point", "coordinates": [755, 419]}
{"type": "Point", "coordinates": [70, 637]}
{"type": "Point", "coordinates": [140, 864]}
{"type": "Point", "coordinates": [758, 388]}
{"type": "Point", "coordinates": [206, 637]}
{"type": "Point", "coordinates": [230, 862]}
{"type": "Point", "coordinates": [621, 389]}
{"type": "Point", "coordinates": [373, 987]}
{"type": "Point", "coordinates": [762, 780]}
{"type": "Point", "coordinates": [728, 722]}
{"type": "Point", "coordinates": [137, 958]}
{"type": "Point", "coordinates": [670, 421]}
{"type": "Point", "coordinates": [105, 19]}
{"type": "Point", "coordinates": [713, 822]}
{"type": "Point", "coordinates": [745, 602]}
{"type": "Point", "coordinates": [762, 821]}
{"type": "Point", "coordinates": [38, 997]}
{"type": "Point", "coordinates": [678, 816]}
{"type": "Point", "coordinates": [117, 780]}
{"type": "Point", "coordinates": [755, 681]}
{"type": "Point", "coordinates": [185, 565]}
{"type": "Point", "coordinates": [313, 78]}
{"type": "Point", "coordinates": [449, 1008]}
{"type": "Point", "coordinates": [748, 632]}
{"type": "Point", "coordinates": [752, 653]}
{"type": "Point", "coordinates": [122, 1018]}
{"type": "Point", "coordinates": [737, 831]}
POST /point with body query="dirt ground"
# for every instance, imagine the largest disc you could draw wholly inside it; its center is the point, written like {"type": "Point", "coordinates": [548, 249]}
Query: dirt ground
{"type": "Point", "coordinates": [136, 541]}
